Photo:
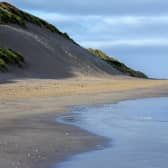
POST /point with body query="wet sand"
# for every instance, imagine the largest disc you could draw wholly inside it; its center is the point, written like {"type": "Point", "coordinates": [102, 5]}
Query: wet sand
{"type": "Point", "coordinates": [136, 132]}
{"type": "Point", "coordinates": [29, 136]}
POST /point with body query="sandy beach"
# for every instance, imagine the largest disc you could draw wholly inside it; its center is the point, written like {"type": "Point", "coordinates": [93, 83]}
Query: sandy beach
{"type": "Point", "coordinates": [44, 73]}
{"type": "Point", "coordinates": [29, 135]}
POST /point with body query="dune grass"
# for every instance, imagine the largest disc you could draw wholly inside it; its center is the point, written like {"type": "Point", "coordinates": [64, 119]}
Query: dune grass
{"type": "Point", "coordinates": [7, 57]}
{"type": "Point", "coordinates": [11, 14]}
{"type": "Point", "coordinates": [117, 64]}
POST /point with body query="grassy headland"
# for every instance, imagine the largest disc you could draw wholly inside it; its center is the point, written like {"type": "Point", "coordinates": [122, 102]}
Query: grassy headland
{"type": "Point", "coordinates": [117, 64]}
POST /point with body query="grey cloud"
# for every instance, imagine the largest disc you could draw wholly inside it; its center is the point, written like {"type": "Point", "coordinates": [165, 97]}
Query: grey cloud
{"type": "Point", "coordinates": [110, 27]}
{"type": "Point", "coordinates": [96, 7]}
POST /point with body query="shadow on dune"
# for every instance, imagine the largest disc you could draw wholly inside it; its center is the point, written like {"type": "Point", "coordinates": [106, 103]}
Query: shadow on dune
{"type": "Point", "coordinates": [48, 55]}
{"type": "Point", "coordinates": [22, 74]}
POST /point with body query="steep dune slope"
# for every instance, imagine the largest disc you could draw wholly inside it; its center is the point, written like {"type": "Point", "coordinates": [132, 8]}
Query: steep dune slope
{"type": "Point", "coordinates": [48, 54]}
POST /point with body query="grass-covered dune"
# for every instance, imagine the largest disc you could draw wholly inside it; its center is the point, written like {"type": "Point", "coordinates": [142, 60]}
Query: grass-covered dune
{"type": "Point", "coordinates": [49, 53]}
{"type": "Point", "coordinates": [117, 64]}
{"type": "Point", "coordinates": [13, 15]}
{"type": "Point", "coordinates": [9, 57]}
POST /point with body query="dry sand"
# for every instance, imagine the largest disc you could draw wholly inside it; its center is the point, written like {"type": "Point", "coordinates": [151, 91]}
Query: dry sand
{"type": "Point", "coordinates": [29, 136]}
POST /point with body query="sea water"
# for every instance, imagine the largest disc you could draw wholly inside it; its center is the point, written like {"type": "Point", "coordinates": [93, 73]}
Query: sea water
{"type": "Point", "coordinates": [137, 129]}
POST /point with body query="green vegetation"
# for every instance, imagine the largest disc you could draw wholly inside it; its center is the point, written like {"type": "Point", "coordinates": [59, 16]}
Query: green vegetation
{"type": "Point", "coordinates": [10, 14]}
{"type": "Point", "coordinates": [8, 56]}
{"type": "Point", "coordinates": [117, 64]}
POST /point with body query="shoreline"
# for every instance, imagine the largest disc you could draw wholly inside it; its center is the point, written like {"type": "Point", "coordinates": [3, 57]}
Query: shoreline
{"type": "Point", "coordinates": [32, 139]}
{"type": "Point", "coordinates": [121, 130]}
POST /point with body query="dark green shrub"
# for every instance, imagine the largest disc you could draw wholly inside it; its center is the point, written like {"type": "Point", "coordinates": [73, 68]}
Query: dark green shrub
{"type": "Point", "coordinates": [8, 56]}
{"type": "Point", "coordinates": [3, 65]}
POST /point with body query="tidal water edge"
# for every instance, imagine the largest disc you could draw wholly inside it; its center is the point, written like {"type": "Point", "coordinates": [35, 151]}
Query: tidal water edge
{"type": "Point", "coordinates": [137, 129]}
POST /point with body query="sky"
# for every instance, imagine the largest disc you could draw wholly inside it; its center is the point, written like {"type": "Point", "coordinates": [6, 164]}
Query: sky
{"type": "Point", "coordinates": [134, 31]}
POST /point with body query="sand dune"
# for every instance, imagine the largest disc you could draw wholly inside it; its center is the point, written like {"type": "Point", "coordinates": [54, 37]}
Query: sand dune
{"type": "Point", "coordinates": [58, 74]}
{"type": "Point", "coordinates": [48, 52]}
{"type": "Point", "coordinates": [49, 55]}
